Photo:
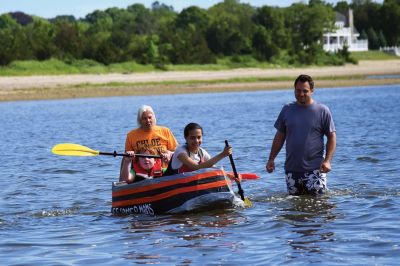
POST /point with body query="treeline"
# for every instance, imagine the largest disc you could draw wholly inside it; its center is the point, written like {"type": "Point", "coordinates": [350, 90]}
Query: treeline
{"type": "Point", "coordinates": [379, 23]}
{"type": "Point", "coordinates": [159, 35]}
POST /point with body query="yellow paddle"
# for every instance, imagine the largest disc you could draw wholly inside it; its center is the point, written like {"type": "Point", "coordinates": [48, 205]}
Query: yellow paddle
{"type": "Point", "coordinates": [246, 201]}
{"type": "Point", "coordinates": [72, 149]}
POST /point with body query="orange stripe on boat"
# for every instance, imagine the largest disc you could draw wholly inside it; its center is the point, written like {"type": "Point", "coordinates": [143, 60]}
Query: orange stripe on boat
{"type": "Point", "coordinates": [167, 183]}
{"type": "Point", "coordinates": [168, 194]}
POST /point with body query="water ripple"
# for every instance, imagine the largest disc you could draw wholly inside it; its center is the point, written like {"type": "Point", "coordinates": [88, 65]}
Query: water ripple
{"type": "Point", "coordinates": [54, 213]}
{"type": "Point", "coordinates": [368, 159]}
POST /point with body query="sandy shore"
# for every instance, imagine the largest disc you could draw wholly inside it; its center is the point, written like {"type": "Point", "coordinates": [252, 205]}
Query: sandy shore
{"type": "Point", "coordinates": [76, 86]}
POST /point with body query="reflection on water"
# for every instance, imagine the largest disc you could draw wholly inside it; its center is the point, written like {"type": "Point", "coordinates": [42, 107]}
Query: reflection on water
{"type": "Point", "coordinates": [307, 223]}
{"type": "Point", "coordinates": [305, 209]}
{"type": "Point", "coordinates": [187, 226]}
{"type": "Point", "coordinates": [308, 218]}
{"type": "Point", "coordinates": [195, 233]}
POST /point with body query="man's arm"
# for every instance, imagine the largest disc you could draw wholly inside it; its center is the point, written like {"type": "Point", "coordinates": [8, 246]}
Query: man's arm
{"type": "Point", "coordinates": [277, 144]}
{"type": "Point", "coordinates": [330, 150]}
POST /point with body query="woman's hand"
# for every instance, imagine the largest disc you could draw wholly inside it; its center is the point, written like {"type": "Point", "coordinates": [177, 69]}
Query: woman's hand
{"type": "Point", "coordinates": [132, 155]}
{"type": "Point", "coordinates": [227, 151]}
{"type": "Point", "coordinates": [166, 156]}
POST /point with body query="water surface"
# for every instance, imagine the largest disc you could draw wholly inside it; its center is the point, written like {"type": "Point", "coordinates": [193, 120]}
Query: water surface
{"type": "Point", "coordinates": [56, 210]}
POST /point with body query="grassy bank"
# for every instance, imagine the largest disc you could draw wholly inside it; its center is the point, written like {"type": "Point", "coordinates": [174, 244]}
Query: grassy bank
{"type": "Point", "coordinates": [57, 67]}
{"type": "Point", "coordinates": [37, 80]}
{"type": "Point", "coordinates": [373, 55]}
{"type": "Point", "coordinates": [179, 87]}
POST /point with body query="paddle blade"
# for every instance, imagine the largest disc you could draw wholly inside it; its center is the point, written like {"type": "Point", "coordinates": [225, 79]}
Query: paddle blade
{"type": "Point", "coordinates": [245, 176]}
{"type": "Point", "coordinates": [247, 202]}
{"type": "Point", "coordinates": [71, 149]}
{"type": "Point", "coordinates": [249, 176]}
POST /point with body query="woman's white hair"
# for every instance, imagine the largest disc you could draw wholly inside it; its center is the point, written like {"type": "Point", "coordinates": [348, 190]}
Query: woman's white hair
{"type": "Point", "coordinates": [142, 109]}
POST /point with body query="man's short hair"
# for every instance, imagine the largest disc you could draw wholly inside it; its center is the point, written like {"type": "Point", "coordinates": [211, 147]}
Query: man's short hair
{"type": "Point", "coordinates": [305, 78]}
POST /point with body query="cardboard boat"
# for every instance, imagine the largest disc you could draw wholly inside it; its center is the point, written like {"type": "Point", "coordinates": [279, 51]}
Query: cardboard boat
{"type": "Point", "coordinates": [187, 192]}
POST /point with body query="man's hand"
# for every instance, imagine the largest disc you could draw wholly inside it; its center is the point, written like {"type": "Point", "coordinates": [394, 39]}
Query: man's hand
{"type": "Point", "coordinates": [325, 166]}
{"type": "Point", "coordinates": [270, 166]}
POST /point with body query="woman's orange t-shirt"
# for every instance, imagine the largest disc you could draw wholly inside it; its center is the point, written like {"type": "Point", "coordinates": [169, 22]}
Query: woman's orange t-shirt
{"type": "Point", "coordinates": [159, 138]}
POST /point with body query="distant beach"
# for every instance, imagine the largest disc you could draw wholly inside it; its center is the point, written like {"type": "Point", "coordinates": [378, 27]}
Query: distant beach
{"type": "Point", "coordinates": [174, 82]}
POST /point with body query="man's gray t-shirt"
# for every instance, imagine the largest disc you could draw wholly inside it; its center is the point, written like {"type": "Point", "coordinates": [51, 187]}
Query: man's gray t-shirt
{"type": "Point", "coordinates": [305, 127]}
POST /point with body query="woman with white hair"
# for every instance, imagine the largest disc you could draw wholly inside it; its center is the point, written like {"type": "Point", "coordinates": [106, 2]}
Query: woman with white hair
{"type": "Point", "coordinates": [149, 135]}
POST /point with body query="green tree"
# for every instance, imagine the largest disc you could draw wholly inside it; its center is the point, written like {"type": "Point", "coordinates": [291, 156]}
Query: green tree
{"type": "Point", "coordinates": [138, 48]}
{"type": "Point", "coordinates": [160, 35]}
{"type": "Point", "coordinates": [69, 39]}
{"type": "Point", "coordinates": [70, 18]}
{"type": "Point", "coordinates": [390, 16]}
{"type": "Point", "coordinates": [189, 47]}
{"type": "Point", "coordinates": [107, 53]}
{"type": "Point", "coordinates": [123, 28]}
{"type": "Point", "coordinates": [97, 34]}
{"type": "Point", "coordinates": [382, 39]}
{"type": "Point", "coordinates": [366, 14]}
{"type": "Point", "coordinates": [185, 39]}
{"type": "Point", "coordinates": [346, 55]}
{"type": "Point", "coordinates": [12, 40]}
{"type": "Point", "coordinates": [342, 7]}
{"type": "Point", "coordinates": [363, 35]}
{"type": "Point", "coordinates": [193, 16]}
{"type": "Point", "coordinates": [144, 22]}
{"type": "Point", "coordinates": [273, 20]}
{"type": "Point", "coordinates": [231, 27]}
{"type": "Point", "coordinates": [373, 40]}
{"type": "Point", "coordinates": [99, 21]}
{"type": "Point", "coordinates": [263, 44]}
{"type": "Point", "coordinates": [153, 53]}
{"type": "Point", "coordinates": [40, 39]}
{"type": "Point", "coordinates": [164, 16]}
{"type": "Point", "coordinates": [306, 25]}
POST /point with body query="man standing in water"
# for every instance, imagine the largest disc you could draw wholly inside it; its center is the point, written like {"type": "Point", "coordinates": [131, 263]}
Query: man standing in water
{"type": "Point", "coordinates": [303, 125]}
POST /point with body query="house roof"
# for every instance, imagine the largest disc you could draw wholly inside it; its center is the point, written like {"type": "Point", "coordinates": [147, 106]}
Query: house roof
{"type": "Point", "coordinates": [342, 18]}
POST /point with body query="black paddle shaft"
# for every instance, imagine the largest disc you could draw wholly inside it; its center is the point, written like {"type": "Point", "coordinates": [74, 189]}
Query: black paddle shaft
{"type": "Point", "coordinates": [241, 192]}
{"type": "Point", "coordinates": [128, 155]}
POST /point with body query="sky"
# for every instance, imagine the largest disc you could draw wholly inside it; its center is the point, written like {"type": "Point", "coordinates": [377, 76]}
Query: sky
{"type": "Point", "coordinates": [80, 8]}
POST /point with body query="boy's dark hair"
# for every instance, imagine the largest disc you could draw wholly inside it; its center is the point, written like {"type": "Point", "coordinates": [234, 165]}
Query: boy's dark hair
{"type": "Point", "coordinates": [191, 126]}
{"type": "Point", "coordinates": [305, 78]}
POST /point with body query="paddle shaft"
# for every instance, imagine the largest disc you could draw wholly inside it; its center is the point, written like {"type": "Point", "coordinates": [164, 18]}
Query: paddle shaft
{"type": "Point", "coordinates": [128, 155]}
{"type": "Point", "coordinates": [241, 192]}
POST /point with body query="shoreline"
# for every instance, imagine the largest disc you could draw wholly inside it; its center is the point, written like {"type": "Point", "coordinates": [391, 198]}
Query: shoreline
{"type": "Point", "coordinates": [159, 83]}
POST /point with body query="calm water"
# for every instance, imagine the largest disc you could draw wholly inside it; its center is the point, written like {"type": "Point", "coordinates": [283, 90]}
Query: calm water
{"type": "Point", "coordinates": [56, 210]}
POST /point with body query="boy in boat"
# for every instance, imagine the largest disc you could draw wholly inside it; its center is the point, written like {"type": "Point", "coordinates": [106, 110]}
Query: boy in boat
{"type": "Point", "coordinates": [191, 156]}
{"type": "Point", "coordinates": [134, 169]}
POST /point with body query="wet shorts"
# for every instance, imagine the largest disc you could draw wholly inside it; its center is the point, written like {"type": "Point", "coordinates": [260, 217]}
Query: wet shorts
{"type": "Point", "coordinates": [312, 182]}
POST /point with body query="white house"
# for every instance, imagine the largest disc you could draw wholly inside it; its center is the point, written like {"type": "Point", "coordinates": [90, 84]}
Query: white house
{"type": "Point", "coordinates": [345, 34]}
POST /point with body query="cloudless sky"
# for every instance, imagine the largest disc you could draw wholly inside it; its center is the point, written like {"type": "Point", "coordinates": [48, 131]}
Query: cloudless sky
{"type": "Point", "coordinates": [80, 8]}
